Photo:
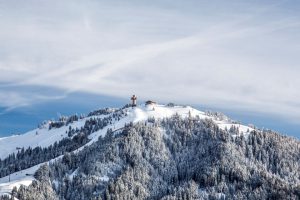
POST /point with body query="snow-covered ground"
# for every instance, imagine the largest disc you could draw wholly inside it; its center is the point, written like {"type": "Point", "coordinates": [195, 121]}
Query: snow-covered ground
{"type": "Point", "coordinates": [38, 137]}
{"type": "Point", "coordinates": [24, 177]}
{"type": "Point", "coordinates": [142, 113]}
{"type": "Point", "coordinates": [44, 137]}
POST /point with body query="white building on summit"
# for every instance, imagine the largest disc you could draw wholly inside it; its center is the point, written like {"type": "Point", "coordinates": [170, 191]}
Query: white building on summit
{"type": "Point", "coordinates": [150, 102]}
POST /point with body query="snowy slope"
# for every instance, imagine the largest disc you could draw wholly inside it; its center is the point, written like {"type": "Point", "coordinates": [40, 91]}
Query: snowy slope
{"type": "Point", "coordinates": [23, 177]}
{"type": "Point", "coordinates": [142, 113]}
{"type": "Point", "coordinates": [44, 137]}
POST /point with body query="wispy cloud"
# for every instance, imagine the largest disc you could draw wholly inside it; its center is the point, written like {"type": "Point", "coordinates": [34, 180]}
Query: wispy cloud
{"type": "Point", "coordinates": [13, 97]}
{"type": "Point", "coordinates": [238, 55]}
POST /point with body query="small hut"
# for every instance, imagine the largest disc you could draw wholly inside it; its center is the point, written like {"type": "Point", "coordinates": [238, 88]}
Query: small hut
{"type": "Point", "coordinates": [149, 102]}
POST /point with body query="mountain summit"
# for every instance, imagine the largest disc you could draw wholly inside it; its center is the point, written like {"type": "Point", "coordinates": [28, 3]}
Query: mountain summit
{"type": "Point", "coordinates": [149, 151]}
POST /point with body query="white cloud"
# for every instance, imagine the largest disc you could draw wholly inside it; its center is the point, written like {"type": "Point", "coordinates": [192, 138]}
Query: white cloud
{"type": "Point", "coordinates": [11, 99]}
{"type": "Point", "coordinates": [240, 55]}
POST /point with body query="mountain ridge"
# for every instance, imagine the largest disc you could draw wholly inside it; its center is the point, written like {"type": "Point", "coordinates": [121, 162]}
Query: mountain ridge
{"type": "Point", "coordinates": [117, 124]}
{"type": "Point", "coordinates": [139, 113]}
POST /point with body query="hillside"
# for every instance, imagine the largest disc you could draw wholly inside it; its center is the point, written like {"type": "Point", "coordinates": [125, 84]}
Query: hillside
{"type": "Point", "coordinates": [149, 152]}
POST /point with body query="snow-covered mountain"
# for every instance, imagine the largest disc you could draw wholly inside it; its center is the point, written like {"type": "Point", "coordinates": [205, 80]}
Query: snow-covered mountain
{"type": "Point", "coordinates": [149, 152]}
{"type": "Point", "coordinates": [44, 137]}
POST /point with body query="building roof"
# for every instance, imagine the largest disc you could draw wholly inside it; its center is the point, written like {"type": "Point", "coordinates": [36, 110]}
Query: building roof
{"type": "Point", "coordinates": [150, 102]}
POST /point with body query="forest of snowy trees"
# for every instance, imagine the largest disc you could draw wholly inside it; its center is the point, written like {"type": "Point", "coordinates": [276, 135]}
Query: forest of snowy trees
{"type": "Point", "coordinates": [173, 158]}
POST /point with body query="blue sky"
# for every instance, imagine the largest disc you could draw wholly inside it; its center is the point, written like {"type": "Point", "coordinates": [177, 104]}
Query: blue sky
{"type": "Point", "coordinates": [241, 57]}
